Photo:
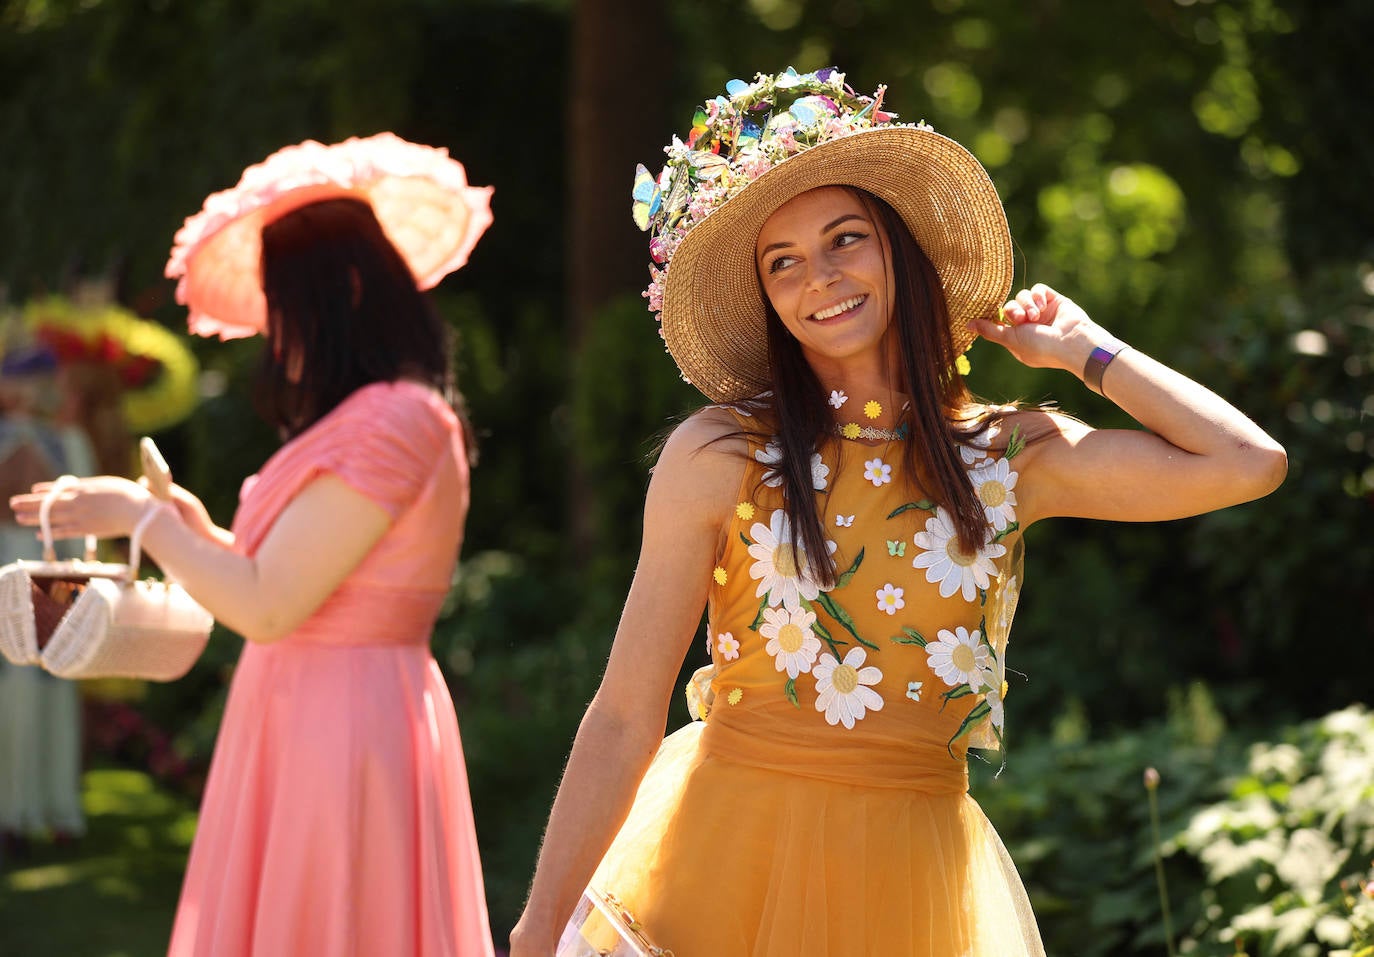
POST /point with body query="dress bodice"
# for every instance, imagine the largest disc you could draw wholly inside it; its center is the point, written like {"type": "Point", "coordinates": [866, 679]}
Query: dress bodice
{"type": "Point", "coordinates": [891, 674]}
{"type": "Point", "coordinates": [400, 445]}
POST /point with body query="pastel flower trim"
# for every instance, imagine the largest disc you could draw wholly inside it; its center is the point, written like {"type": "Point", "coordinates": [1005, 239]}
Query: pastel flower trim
{"type": "Point", "coordinates": [728, 646]}
{"type": "Point", "coordinates": [873, 408]}
{"type": "Point", "coordinates": [745, 510]}
{"type": "Point", "coordinates": [890, 599]}
{"type": "Point", "coordinates": [878, 472]}
{"type": "Point", "coordinates": [733, 141]}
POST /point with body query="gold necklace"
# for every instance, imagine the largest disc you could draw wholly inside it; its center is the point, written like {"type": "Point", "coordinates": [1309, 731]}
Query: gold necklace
{"type": "Point", "coordinates": [854, 431]}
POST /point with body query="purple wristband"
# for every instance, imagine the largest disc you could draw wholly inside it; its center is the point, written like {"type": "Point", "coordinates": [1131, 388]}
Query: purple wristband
{"type": "Point", "coordinates": [1097, 363]}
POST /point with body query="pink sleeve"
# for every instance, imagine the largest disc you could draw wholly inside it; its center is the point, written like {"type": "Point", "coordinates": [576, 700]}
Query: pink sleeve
{"type": "Point", "coordinates": [389, 443]}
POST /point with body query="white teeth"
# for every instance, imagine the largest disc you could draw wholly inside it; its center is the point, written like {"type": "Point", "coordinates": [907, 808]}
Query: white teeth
{"type": "Point", "coordinates": [838, 308]}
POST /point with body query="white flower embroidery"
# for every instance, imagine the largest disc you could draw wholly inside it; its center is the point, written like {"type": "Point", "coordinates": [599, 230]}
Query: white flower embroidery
{"type": "Point", "coordinates": [958, 657]}
{"type": "Point", "coordinates": [838, 398]}
{"type": "Point", "coordinates": [976, 451]}
{"type": "Point", "coordinates": [842, 687]}
{"type": "Point", "coordinates": [913, 690]}
{"type": "Point", "coordinates": [784, 579]}
{"type": "Point", "coordinates": [994, 689]}
{"type": "Point", "coordinates": [728, 646]}
{"type": "Point", "coordinates": [947, 563]}
{"type": "Point", "coordinates": [877, 471]}
{"type": "Point", "coordinates": [994, 482]}
{"type": "Point", "coordinates": [771, 456]}
{"type": "Point", "coordinates": [844, 521]}
{"type": "Point", "coordinates": [791, 640]}
{"type": "Point", "coordinates": [890, 599]}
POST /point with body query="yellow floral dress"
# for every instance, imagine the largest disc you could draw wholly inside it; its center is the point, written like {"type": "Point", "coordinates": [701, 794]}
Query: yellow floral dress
{"type": "Point", "coordinates": [820, 805]}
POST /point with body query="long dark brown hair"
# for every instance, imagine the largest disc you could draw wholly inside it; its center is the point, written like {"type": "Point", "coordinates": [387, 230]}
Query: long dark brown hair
{"type": "Point", "coordinates": [941, 417]}
{"type": "Point", "coordinates": [343, 311]}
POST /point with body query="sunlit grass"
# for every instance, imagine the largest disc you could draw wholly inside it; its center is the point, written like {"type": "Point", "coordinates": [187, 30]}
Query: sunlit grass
{"type": "Point", "coordinates": [111, 893]}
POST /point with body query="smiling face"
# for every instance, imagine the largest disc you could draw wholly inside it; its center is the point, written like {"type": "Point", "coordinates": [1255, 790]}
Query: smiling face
{"type": "Point", "coordinates": [825, 268]}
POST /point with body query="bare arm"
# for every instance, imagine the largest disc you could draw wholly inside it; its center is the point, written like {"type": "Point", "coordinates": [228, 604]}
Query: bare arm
{"type": "Point", "coordinates": [1200, 453]}
{"type": "Point", "coordinates": [692, 491]}
{"type": "Point", "coordinates": [307, 554]}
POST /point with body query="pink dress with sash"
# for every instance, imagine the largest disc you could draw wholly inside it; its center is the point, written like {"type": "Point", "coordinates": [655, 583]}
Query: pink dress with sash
{"type": "Point", "coordinates": [336, 819]}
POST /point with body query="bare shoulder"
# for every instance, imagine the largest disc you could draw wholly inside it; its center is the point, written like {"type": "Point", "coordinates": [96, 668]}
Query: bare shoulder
{"type": "Point", "coordinates": [1037, 431]}
{"type": "Point", "coordinates": [702, 463]}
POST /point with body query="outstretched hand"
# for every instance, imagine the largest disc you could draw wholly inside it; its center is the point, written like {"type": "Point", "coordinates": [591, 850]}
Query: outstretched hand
{"type": "Point", "coordinates": [1044, 329]}
{"type": "Point", "coordinates": [105, 506]}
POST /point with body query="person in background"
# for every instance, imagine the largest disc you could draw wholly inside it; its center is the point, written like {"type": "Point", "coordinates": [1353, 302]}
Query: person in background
{"type": "Point", "coordinates": [336, 819]}
{"type": "Point", "coordinates": [40, 716]}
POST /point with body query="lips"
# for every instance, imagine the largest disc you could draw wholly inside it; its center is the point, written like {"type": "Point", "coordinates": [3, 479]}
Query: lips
{"type": "Point", "coordinates": [839, 308]}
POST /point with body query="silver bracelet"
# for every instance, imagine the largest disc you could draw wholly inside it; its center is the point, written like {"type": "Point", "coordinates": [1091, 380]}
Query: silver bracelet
{"type": "Point", "coordinates": [1097, 363]}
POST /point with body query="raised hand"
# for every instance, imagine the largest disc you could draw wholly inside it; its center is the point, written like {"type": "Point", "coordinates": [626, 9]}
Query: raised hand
{"type": "Point", "coordinates": [1044, 329]}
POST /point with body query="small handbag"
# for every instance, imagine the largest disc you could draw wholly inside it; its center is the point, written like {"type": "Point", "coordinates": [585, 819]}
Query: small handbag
{"type": "Point", "coordinates": [602, 927]}
{"type": "Point", "coordinates": [89, 619]}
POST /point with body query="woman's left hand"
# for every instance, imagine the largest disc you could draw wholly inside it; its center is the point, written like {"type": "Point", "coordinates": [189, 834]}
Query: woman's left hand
{"type": "Point", "coordinates": [105, 506]}
{"type": "Point", "coordinates": [1044, 329]}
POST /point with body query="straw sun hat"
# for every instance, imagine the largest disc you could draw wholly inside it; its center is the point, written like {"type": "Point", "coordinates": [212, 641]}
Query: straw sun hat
{"type": "Point", "coordinates": [419, 195]}
{"type": "Point", "coordinates": [755, 149]}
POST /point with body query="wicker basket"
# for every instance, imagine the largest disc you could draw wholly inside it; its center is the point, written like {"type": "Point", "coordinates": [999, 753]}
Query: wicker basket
{"type": "Point", "coordinates": [87, 619]}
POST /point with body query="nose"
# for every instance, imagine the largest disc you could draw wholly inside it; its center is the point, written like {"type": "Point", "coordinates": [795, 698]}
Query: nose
{"type": "Point", "coordinates": [824, 272]}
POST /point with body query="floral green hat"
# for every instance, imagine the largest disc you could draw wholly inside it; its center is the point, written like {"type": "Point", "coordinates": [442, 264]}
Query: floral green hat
{"type": "Point", "coordinates": [754, 149]}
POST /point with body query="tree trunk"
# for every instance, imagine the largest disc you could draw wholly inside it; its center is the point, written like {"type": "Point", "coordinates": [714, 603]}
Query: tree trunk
{"type": "Point", "coordinates": [617, 112]}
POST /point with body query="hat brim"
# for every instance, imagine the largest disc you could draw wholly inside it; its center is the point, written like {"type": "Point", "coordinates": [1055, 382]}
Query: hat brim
{"type": "Point", "coordinates": [419, 195]}
{"type": "Point", "coordinates": [713, 307]}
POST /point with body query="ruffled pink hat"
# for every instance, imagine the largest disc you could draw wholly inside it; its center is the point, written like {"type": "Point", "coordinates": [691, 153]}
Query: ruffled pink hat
{"type": "Point", "coordinates": [419, 194]}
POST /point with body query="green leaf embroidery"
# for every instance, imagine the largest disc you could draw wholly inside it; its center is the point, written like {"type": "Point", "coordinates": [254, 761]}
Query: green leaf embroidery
{"type": "Point", "coordinates": [1015, 445]}
{"type": "Point", "coordinates": [842, 617]}
{"type": "Point", "coordinates": [824, 634]}
{"type": "Point", "coordinates": [910, 636]}
{"type": "Point", "coordinates": [1006, 531]}
{"type": "Point", "coordinates": [844, 579]}
{"type": "Point", "coordinates": [981, 711]}
{"type": "Point", "coordinates": [961, 691]}
{"type": "Point", "coordinates": [758, 618]}
{"type": "Point", "coordinates": [745, 539]}
{"type": "Point", "coordinates": [790, 690]}
{"type": "Point", "coordinates": [924, 504]}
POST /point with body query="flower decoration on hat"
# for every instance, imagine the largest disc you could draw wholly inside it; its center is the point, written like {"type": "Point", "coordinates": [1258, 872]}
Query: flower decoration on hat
{"type": "Point", "coordinates": [154, 367]}
{"type": "Point", "coordinates": [734, 140]}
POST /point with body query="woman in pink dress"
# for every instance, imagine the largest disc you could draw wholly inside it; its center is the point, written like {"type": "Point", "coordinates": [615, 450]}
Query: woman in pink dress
{"type": "Point", "coordinates": [336, 819]}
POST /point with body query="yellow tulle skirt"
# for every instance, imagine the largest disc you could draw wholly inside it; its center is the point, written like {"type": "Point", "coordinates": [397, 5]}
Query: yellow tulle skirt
{"type": "Point", "coordinates": [723, 855]}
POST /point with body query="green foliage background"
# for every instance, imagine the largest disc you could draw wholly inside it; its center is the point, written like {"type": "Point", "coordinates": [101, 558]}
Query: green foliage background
{"type": "Point", "coordinates": [1195, 173]}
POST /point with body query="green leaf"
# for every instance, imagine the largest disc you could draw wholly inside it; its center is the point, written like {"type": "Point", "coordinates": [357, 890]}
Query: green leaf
{"type": "Point", "coordinates": [844, 579]}
{"type": "Point", "coordinates": [842, 617]}
{"type": "Point", "coordinates": [910, 636]}
{"type": "Point", "coordinates": [758, 618]}
{"type": "Point", "coordinates": [1015, 445]}
{"type": "Point", "coordinates": [1013, 526]}
{"type": "Point", "coordinates": [745, 539]}
{"type": "Point", "coordinates": [962, 691]}
{"type": "Point", "coordinates": [790, 690]}
{"type": "Point", "coordinates": [924, 504]}
{"type": "Point", "coordinates": [824, 634]}
{"type": "Point", "coordinates": [980, 712]}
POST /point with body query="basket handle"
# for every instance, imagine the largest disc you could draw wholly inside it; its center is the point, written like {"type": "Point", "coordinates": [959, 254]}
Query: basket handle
{"type": "Point", "coordinates": [45, 522]}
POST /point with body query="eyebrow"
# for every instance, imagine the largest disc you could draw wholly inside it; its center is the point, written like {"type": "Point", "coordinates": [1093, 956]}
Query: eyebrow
{"type": "Point", "coordinates": [827, 228]}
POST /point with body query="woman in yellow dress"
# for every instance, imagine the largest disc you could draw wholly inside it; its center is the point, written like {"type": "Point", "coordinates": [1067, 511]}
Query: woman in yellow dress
{"type": "Point", "coordinates": [851, 519]}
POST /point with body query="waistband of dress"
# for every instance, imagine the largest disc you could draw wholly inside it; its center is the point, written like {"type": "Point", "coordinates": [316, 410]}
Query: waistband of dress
{"type": "Point", "coordinates": [350, 617]}
{"type": "Point", "coordinates": [923, 768]}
